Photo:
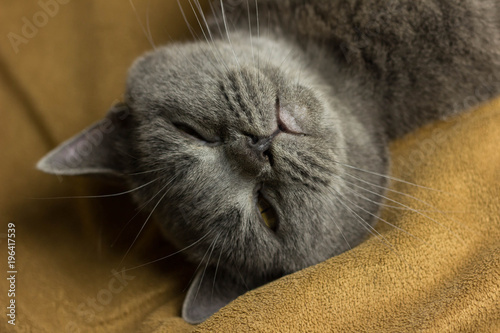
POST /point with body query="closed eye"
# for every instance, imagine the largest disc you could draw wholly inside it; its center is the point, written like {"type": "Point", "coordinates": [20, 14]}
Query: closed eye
{"type": "Point", "coordinates": [186, 129]}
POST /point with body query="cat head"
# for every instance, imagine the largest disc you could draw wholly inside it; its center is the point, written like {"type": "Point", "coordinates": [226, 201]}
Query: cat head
{"type": "Point", "coordinates": [246, 156]}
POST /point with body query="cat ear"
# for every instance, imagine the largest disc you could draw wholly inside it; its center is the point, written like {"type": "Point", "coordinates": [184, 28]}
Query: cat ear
{"type": "Point", "coordinates": [209, 291]}
{"type": "Point", "coordinates": [96, 150]}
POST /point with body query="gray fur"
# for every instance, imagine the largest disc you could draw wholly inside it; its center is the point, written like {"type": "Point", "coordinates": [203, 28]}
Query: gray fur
{"type": "Point", "coordinates": [347, 76]}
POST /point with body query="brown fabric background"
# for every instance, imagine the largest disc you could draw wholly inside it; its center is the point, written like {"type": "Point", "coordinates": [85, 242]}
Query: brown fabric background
{"type": "Point", "coordinates": [444, 277]}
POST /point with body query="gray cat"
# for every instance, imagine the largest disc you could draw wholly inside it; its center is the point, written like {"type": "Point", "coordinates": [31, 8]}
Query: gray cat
{"type": "Point", "coordinates": [263, 147]}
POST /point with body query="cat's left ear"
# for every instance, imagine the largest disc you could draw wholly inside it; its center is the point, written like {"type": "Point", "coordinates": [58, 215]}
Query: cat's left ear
{"type": "Point", "coordinates": [99, 149]}
{"type": "Point", "coordinates": [210, 290]}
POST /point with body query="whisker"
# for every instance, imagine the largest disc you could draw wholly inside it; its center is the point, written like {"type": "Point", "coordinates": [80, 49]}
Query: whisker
{"type": "Point", "coordinates": [148, 26]}
{"type": "Point", "coordinates": [213, 47]}
{"type": "Point", "coordinates": [202, 14]}
{"type": "Point", "coordinates": [227, 32]}
{"type": "Point", "coordinates": [342, 233]}
{"type": "Point", "coordinates": [147, 219]}
{"type": "Point", "coordinates": [391, 178]}
{"type": "Point", "coordinates": [198, 267]}
{"type": "Point", "coordinates": [148, 37]}
{"type": "Point", "coordinates": [214, 14]}
{"type": "Point", "coordinates": [169, 255]}
{"type": "Point", "coordinates": [395, 191]}
{"type": "Point", "coordinates": [242, 278]}
{"type": "Point", "coordinates": [412, 197]}
{"type": "Point", "coordinates": [373, 231]}
{"type": "Point", "coordinates": [191, 30]}
{"type": "Point", "coordinates": [139, 210]}
{"type": "Point", "coordinates": [196, 37]}
{"type": "Point", "coordinates": [284, 59]}
{"type": "Point", "coordinates": [250, 30]}
{"type": "Point", "coordinates": [378, 217]}
{"type": "Point", "coordinates": [97, 196]}
{"type": "Point", "coordinates": [206, 265]}
{"type": "Point", "coordinates": [147, 171]}
{"type": "Point", "coordinates": [407, 209]}
{"type": "Point", "coordinates": [217, 265]}
{"type": "Point", "coordinates": [199, 22]}
{"type": "Point", "coordinates": [258, 36]}
{"type": "Point", "coordinates": [394, 201]}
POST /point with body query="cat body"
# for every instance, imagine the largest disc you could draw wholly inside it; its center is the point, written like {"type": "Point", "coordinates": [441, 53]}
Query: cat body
{"type": "Point", "coordinates": [262, 148]}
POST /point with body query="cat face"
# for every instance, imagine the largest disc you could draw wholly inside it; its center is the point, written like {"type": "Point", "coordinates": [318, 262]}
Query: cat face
{"type": "Point", "coordinates": [246, 159]}
{"type": "Point", "coordinates": [233, 139]}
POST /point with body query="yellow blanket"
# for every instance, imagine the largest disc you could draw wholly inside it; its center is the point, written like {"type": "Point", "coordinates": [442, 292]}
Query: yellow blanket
{"type": "Point", "coordinates": [436, 268]}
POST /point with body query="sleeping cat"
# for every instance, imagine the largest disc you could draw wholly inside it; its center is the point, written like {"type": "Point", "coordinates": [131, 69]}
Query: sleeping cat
{"type": "Point", "coordinates": [262, 148]}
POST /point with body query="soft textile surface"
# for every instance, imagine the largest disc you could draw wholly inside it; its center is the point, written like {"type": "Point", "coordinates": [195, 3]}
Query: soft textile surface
{"type": "Point", "coordinates": [442, 273]}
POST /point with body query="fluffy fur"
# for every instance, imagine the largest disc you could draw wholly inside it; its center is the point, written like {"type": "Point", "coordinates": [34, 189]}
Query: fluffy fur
{"type": "Point", "coordinates": [294, 104]}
